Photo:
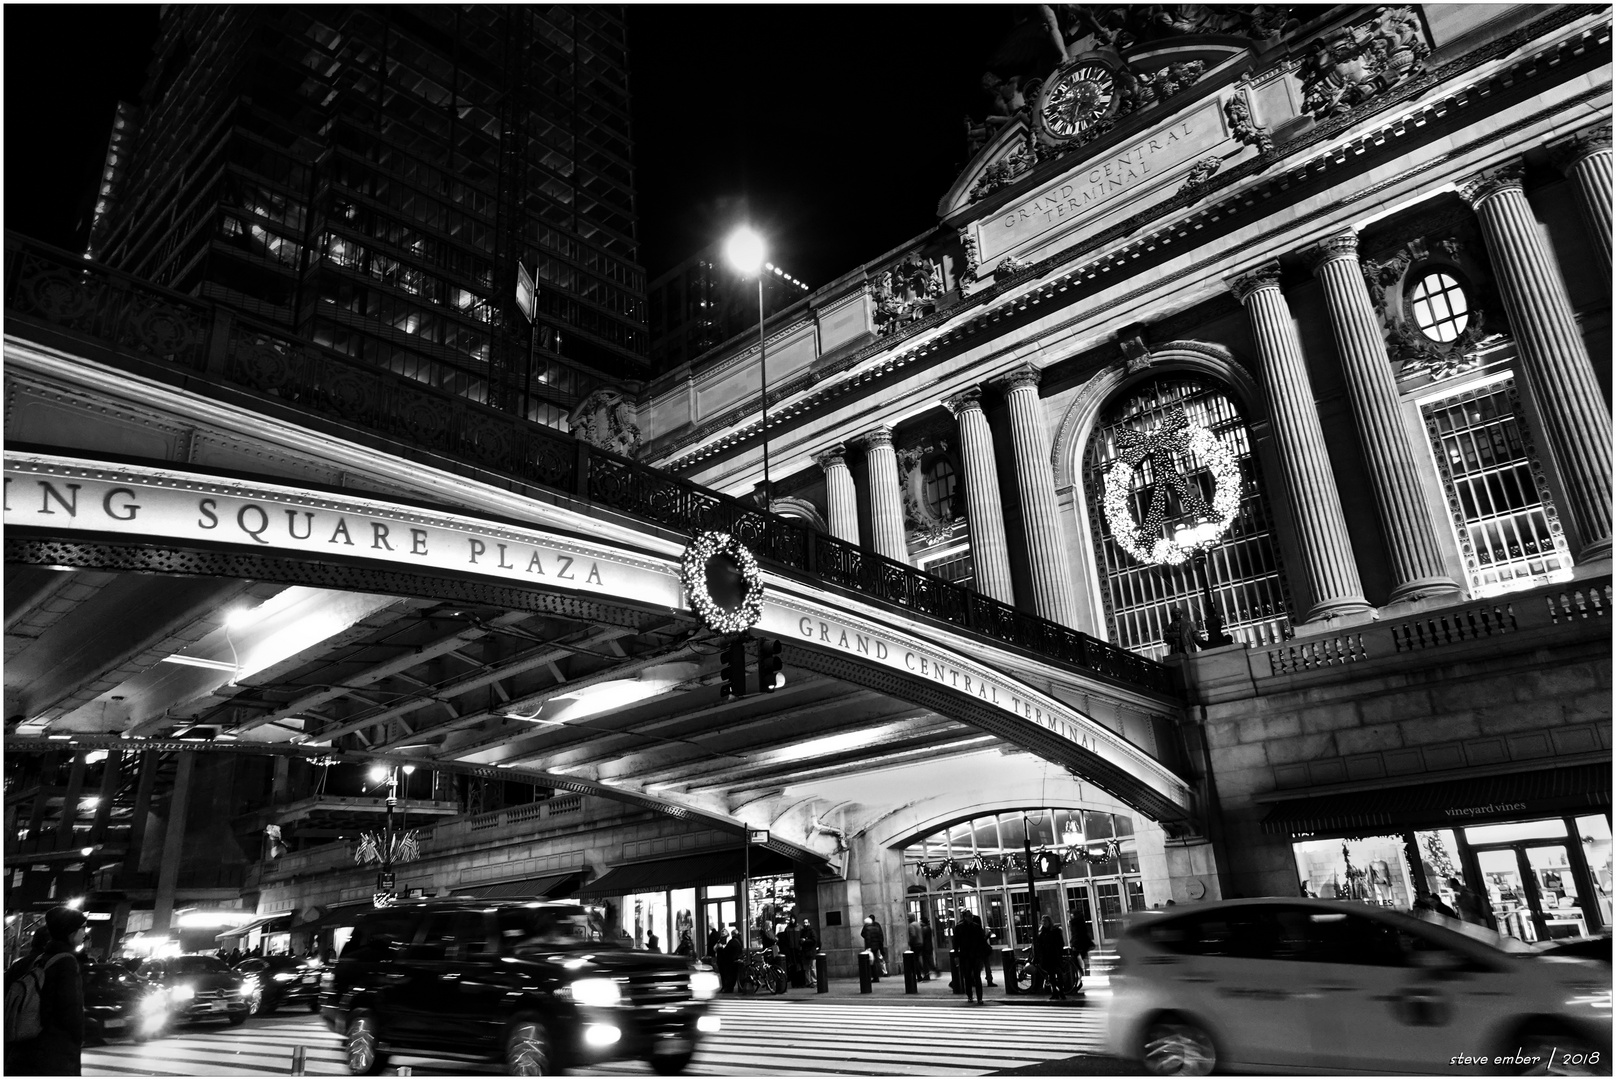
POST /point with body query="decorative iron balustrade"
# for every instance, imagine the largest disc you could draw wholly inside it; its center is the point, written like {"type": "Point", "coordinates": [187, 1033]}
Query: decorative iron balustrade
{"type": "Point", "coordinates": [174, 338]}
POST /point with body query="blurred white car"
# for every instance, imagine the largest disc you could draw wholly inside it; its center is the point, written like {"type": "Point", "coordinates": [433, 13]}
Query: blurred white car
{"type": "Point", "coordinates": [1331, 986]}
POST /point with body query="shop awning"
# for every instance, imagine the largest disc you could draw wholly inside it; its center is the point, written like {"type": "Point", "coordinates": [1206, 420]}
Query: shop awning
{"type": "Point", "coordinates": [552, 886]}
{"type": "Point", "coordinates": [1446, 803]}
{"type": "Point", "coordinates": [686, 872]}
{"type": "Point", "coordinates": [259, 923]}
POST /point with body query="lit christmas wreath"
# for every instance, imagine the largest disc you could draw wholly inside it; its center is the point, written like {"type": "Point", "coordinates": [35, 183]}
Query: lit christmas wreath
{"type": "Point", "coordinates": [694, 574]}
{"type": "Point", "coordinates": [1174, 436]}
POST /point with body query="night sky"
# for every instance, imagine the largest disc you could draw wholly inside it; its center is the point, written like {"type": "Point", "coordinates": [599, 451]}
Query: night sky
{"type": "Point", "coordinates": [836, 128]}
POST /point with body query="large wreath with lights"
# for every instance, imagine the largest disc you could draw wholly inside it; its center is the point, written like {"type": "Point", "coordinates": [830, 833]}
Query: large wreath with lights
{"type": "Point", "coordinates": [693, 572]}
{"type": "Point", "coordinates": [1174, 437]}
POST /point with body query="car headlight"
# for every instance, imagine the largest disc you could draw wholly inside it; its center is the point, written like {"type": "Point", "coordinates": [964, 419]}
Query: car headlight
{"type": "Point", "coordinates": [182, 993]}
{"type": "Point", "coordinates": [284, 976]}
{"type": "Point", "coordinates": [703, 984]}
{"type": "Point", "coordinates": [154, 1003]}
{"type": "Point", "coordinates": [594, 992]}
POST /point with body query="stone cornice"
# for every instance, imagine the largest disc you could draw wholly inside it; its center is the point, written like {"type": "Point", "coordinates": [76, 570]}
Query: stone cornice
{"type": "Point", "coordinates": [1222, 196]}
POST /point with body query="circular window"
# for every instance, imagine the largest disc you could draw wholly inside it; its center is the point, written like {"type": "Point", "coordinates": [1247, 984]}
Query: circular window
{"type": "Point", "coordinates": [1439, 306]}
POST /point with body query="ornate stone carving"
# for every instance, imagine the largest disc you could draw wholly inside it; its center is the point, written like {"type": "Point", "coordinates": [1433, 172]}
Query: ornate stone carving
{"type": "Point", "coordinates": [1491, 182]}
{"type": "Point", "coordinates": [1135, 353]}
{"type": "Point", "coordinates": [1200, 173]}
{"type": "Point", "coordinates": [1341, 245]}
{"type": "Point", "coordinates": [1006, 170]}
{"type": "Point", "coordinates": [1258, 277]}
{"type": "Point", "coordinates": [1237, 110]}
{"type": "Point", "coordinates": [1388, 281]}
{"type": "Point", "coordinates": [877, 436]}
{"type": "Point", "coordinates": [1582, 144]}
{"type": "Point", "coordinates": [906, 293]}
{"type": "Point", "coordinates": [830, 457]}
{"type": "Point", "coordinates": [1355, 63]}
{"type": "Point", "coordinates": [606, 419]}
{"type": "Point", "coordinates": [1025, 375]}
{"type": "Point", "coordinates": [965, 399]}
{"type": "Point", "coordinates": [1073, 27]}
{"type": "Point", "coordinates": [929, 527]}
{"type": "Point", "coordinates": [968, 242]}
{"type": "Point", "coordinates": [1010, 266]}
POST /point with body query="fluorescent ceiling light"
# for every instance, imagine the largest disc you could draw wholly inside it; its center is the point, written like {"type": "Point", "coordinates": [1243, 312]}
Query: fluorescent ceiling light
{"type": "Point", "coordinates": [609, 695]}
{"type": "Point", "coordinates": [200, 661]}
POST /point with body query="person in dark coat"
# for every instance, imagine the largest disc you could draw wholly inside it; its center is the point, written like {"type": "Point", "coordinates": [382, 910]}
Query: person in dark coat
{"type": "Point", "coordinates": [928, 949]}
{"type": "Point", "coordinates": [808, 950]}
{"type": "Point", "coordinates": [971, 942]}
{"type": "Point", "coordinates": [729, 961]}
{"type": "Point", "coordinates": [55, 1050]}
{"type": "Point", "coordinates": [1047, 948]}
{"type": "Point", "coordinates": [1082, 943]}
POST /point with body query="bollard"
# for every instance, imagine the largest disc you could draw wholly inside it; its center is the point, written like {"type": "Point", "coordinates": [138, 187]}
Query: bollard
{"type": "Point", "coordinates": [1008, 957]}
{"type": "Point", "coordinates": [956, 974]}
{"type": "Point", "coordinates": [821, 974]}
{"type": "Point", "coordinates": [864, 971]}
{"type": "Point", "coordinates": [299, 1055]}
{"type": "Point", "coordinates": [911, 972]}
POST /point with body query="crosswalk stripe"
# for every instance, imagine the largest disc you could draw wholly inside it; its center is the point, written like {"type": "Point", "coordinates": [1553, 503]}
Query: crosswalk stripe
{"type": "Point", "coordinates": [759, 1036]}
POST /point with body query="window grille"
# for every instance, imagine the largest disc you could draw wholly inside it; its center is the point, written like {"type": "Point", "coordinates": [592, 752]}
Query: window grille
{"type": "Point", "coordinates": [1247, 576]}
{"type": "Point", "coordinates": [1498, 500]}
{"type": "Point", "coordinates": [1440, 308]}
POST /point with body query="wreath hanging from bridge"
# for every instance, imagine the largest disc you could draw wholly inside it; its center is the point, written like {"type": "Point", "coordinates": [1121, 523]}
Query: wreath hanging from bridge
{"type": "Point", "coordinates": [1110, 851]}
{"type": "Point", "coordinates": [1165, 447]}
{"type": "Point", "coordinates": [719, 556]}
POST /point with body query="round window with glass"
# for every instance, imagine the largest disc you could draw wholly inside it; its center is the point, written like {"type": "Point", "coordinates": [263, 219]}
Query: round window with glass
{"type": "Point", "coordinates": [1439, 306]}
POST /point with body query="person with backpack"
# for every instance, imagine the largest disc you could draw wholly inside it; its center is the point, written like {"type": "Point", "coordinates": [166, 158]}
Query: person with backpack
{"type": "Point", "coordinates": [44, 1020]}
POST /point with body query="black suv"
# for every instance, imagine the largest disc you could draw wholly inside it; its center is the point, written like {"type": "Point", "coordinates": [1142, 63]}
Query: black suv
{"type": "Point", "coordinates": [533, 985]}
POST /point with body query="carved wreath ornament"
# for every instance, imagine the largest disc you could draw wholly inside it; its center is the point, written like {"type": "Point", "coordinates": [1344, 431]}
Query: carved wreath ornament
{"type": "Point", "coordinates": [1174, 438]}
{"type": "Point", "coordinates": [693, 572]}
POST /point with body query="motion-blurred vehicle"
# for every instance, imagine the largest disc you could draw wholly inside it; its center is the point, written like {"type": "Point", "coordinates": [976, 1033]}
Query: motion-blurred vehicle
{"type": "Point", "coordinates": [1300, 984]}
{"type": "Point", "coordinates": [120, 1004]}
{"type": "Point", "coordinates": [200, 986]}
{"type": "Point", "coordinates": [273, 981]}
{"type": "Point", "coordinates": [532, 985]}
{"type": "Point", "coordinates": [1586, 948]}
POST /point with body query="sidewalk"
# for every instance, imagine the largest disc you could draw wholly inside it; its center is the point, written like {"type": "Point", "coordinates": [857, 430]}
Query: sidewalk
{"type": "Point", "coordinates": [889, 991]}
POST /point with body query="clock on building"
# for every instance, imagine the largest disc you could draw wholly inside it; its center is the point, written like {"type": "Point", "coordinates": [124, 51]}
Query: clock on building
{"type": "Point", "coordinates": [1080, 95]}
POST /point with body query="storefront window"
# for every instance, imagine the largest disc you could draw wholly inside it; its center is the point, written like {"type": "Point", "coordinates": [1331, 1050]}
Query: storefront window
{"type": "Point", "coordinates": [1595, 837]}
{"type": "Point", "coordinates": [1515, 830]}
{"type": "Point", "coordinates": [1372, 870]}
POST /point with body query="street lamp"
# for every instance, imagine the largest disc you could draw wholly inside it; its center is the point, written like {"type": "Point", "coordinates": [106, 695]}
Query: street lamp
{"type": "Point", "coordinates": [384, 878]}
{"type": "Point", "coordinates": [744, 250]}
{"type": "Point", "coordinates": [1199, 537]}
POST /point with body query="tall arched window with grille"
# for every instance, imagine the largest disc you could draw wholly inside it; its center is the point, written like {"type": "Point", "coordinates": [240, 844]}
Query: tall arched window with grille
{"type": "Point", "coordinates": [1244, 569]}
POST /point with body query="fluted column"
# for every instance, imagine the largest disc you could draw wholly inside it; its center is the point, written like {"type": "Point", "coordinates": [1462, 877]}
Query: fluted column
{"type": "Point", "coordinates": [1553, 354]}
{"type": "Point", "coordinates": [984, 509]}
{"type": "Point", "coordinates": [1332, 572]}
{"type": "Point", "coordinates": [886, 504]}
{"type": "Point", "coordinates": [1410, 539]}
{"type": "Point", "coordinates": [1035, 480]}
{"type": "Point", "coordinates": [841, 504]}
{"type": "Point", "coordinates": [1585, 159]}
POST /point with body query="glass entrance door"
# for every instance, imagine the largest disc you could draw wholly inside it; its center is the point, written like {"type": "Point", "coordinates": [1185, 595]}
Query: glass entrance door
{"type": "Point", "coordinates": [1533, 891]}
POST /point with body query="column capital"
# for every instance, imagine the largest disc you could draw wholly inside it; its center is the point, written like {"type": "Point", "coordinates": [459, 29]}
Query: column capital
{"type": "Point", "coordinates": [1263, 276]}
{"type": "Point", "coordinates": [965, 399]}
{"type": "Point", "coordinates": [1025, 375]}
{"type": "Point", "coordinates": [1567, 152]}
{"type": "Point", "coordinates": [878, 436]}
{"type": "Point", "coordinates": [1484, 185]}
{"type": "Point", "coordinates": [831, 456]}
{"type": "Point", "coordinates": [1343, 245]}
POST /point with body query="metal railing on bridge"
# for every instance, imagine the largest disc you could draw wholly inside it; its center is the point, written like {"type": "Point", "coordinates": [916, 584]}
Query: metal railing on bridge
{"type": "Point", "coordinates": [219, 353]}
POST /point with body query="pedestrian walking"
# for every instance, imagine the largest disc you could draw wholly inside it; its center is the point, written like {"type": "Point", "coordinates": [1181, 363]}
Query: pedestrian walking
{"type": "Point", "coordinates": [55, 1049]}
{"type": "Point", "coordinates": [1471, 907]}
{"type": "Point", "coordinates": [1082, 941]}
{"type": "Point", "coordinates": [928, 949]}
{"type": "Point", "coordinates": [916, 944]}
{"type": "Point", "coordinates": [1047, 947]}
{"type": "Point", "coordinates": [971, 942]}
{"type": "Point", "coordinates": [875, 943]}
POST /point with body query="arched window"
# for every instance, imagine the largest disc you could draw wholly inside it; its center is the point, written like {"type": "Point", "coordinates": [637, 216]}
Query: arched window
{"type": "Point", "coordinates": [1439, 306]}
{"type": "Point", "coordinates": [1244, 569]}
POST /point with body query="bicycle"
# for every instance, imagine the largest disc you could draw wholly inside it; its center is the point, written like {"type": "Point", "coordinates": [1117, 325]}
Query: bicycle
{"type": "Point", "coordinates": [760, 969]}
{"type": "Point", "coordinates": [1029, 971]}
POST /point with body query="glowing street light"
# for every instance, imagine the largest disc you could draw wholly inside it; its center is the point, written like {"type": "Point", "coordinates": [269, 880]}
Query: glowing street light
{"type": "Point", "coordinates": [745, 252]}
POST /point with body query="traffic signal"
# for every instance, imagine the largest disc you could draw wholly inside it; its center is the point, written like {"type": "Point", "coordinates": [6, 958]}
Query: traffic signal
{"type": "Point", "coordinates": [1046, 864]}
{"type": "Point", "coordinates": [769, 677]}
{"type": "Point", "coordinates": [734, 671]}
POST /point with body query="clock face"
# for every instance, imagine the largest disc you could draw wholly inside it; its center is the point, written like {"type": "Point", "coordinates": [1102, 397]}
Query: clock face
{"type": "Point", "coordinates": [1077, 99]}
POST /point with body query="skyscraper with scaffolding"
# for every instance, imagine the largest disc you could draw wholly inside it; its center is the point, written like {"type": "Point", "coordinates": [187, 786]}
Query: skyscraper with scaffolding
{"type": "Point", "coordinates": [443, 191]}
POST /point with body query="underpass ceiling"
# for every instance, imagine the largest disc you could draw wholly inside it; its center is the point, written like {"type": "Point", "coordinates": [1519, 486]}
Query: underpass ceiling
{"type": "Point", "coordinates": [634, 707]}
